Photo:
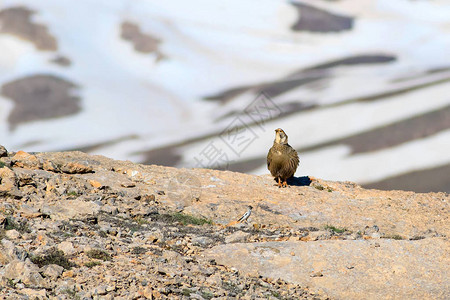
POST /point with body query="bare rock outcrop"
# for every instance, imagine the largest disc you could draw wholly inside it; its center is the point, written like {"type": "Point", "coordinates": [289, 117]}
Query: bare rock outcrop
{"type": "Point", "coordinates": [76, 225]}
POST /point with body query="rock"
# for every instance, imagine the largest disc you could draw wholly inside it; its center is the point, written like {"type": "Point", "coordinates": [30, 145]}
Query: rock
{"type": "Point", "coordinates": [8, 181]}
{"type": "Point", "coordinates": [75, 168]}
{"type": "Point", "coordinates": [52, 271]}
{"type": "Point", "coordinates": [100, 290]}
{"type": "Point", "coordinates": [237, 237]}
{"type": "Point", "coordinates": [25, 160]}
{"type": "Point", "coordinates": [110, 209]}
{"type": "Point", "coordinates": [128, 184]}
{"type": "Point", "coordinates": [95, 184]}
{"type": "Point", "coordinates": [67, 248]}
{"type": "Point", "coordinates": [201, 241]}
{"type": "Point", "coordinates": [372, 232]}
{"type": "Point", "coordinates": [71, 209]}
{"type": "Point", "coordinates": [12, 234]}
{"type": "Point", "coordinates": [25, 271]}
{"type": "Point", "coordinates": [3, 151]}
{"type": "Point", "coordinates": [317, 235]}
{"type": "Point", "coordinates": [377, 272]}
{"type": "Point", "coordinates": [34, 294]}
{"type": "Point", "coordinates": [146, 292]}
{"type": "Point", "coordinates": [9, 252]}
{"type": "Point", "coordinates": [49, 166]}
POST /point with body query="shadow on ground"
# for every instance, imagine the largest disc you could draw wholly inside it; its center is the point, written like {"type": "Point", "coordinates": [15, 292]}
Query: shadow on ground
{"type": "Point", "coordinates": [299, 181]}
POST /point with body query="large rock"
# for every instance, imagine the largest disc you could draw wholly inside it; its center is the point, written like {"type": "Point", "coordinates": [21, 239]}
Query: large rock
{"type": "Point", "coordinates": [25, 271]}
{"type": "Point", "coordinates": [8, 181]}
{"type": "Point", "coordinates": [26, 160]}
{"type": "Point", "coordinates": [9, 252]}
{"type": "Point", "coordinates": [53, 271]}
{"type": "Point", "coordinates": [71, 209]}
{"type": "Point", "coordinates": [3, 151]}
{"type": "Point", "coordinates": [360, 269]}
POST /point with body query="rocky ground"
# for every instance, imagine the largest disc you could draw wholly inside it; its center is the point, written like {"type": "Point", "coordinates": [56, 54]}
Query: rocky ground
{"type": "Point", "coordinates": [75, 226]}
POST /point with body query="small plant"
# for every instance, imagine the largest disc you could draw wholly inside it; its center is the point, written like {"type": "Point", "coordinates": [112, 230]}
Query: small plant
{"type": "Point", "coordinates": [207, 295]}
{"type": "Point", "coordinates": [185, 219]}
{"type": "Point", "coordinates": [72, 193]}
{"type": "Point", "coordinates": [92, 264]}
{"type": "Point", "coordinates": [186, 292]}
{"type": "Point", "coordinates": [10, 283]}
{"type": "Point", "coordinates": [53, 256]}
{"type": "Point", "coordinates": [138, 250]}
{"type": "Point", "coordinates": [71, 293]}
{"type": "Point", "coordinates": [2, 164]}
{"type": "Point", "coordinates": [98, 254]}
{"type": "Point", "coordinates": [335, 229]}
{"type": "Point", "coordinates": [330, 190]}
{"type": "Point", "coordinates": [393, 237]}
{"type": "Point", "coordinates": [319, 187]}
{"type": "Point", "coordinates": [140, 220]}
{"type": "Point", "coordinates": [11, 224]}
{"type": "Point", "coordinates": [275, 294]}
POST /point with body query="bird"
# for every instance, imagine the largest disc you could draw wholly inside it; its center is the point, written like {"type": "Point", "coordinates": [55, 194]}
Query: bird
{"type": "Point", "coordinates": [246, 215]}
{"type": "Point", "coordinates": [282, 159]}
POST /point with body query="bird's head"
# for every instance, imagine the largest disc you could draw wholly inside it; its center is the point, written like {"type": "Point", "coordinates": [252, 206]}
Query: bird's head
{"type": "Point", "coordinates": [250, 207]}
{"type": "Point", "coordinates": [280, 136]}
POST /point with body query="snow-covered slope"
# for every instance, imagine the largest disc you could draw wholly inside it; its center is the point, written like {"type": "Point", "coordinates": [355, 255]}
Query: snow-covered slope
{"type": "Point", "coordinates": [361, 87]}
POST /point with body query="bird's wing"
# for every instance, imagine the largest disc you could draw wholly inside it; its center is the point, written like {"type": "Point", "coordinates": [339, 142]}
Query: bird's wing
{"type": "Point", "coordinates": [245, 216]}
{"type": "Point", "coordinates": [269, 157]}
{"type": "Point", "coordinates": [293, 153]}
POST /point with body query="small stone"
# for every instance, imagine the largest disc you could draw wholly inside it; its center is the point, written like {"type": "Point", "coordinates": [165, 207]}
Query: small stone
{"type": "Point", "coordinates": [201, 241]}
{"type": "Point", "coordinates": [68, 274]}
{"type": "Point", "coordinates": [147, 292]}
{"type": "Point", "coordinates": [95, 184]}
{"type": "Point", "coordinates": [128, 184]}
{"type": "Point", "coordinates": [49, 166]}
{"type": "Point", "coordinates": [110, 288]}
{"type": "Point", "coordinates": [53, 271]}
{"type": "Point", "coordinates": [67, 248]}
{"type": "Point", "coordinates": [257, 226]}
{"type": "Point", "coordinates": [75, 168]}
{"type": "Point", "coordinates": [318, 235]}
{"type": "Point", "coordinates": [100, 290]}
{"type": "Point", "coordinates": [196, 296]}
{"type": "Point", "coordinates": [12, 234]}
{"type": "Point", "coordinates": [214, 280]}
{"type": "Point", "coordinates": [372, 232]}
{"type": "Point", "coordinates": [316, 274]}
{"type": "Point", "coordinates": [8, 181]}
{"type": "Point", "coordinates": [237, 237]}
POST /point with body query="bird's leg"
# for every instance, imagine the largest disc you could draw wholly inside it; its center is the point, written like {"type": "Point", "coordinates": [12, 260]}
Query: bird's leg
{"type": "Point", "coordinates": [279, 182]}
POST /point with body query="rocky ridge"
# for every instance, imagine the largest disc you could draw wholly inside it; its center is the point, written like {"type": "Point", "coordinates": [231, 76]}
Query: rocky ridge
{"type": "Point", "coordinates": [75, 226]}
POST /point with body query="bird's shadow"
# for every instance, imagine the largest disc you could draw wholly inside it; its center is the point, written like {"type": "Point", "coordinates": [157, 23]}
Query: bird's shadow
{"type": "Point", "coordinates": [299, 181]}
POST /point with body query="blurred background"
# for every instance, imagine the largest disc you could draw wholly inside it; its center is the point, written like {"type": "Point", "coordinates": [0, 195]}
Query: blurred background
{"type": "Point", "coordinates": [362, 88]}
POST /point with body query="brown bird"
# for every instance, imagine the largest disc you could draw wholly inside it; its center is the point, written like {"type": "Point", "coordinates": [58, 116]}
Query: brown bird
{"type": "Point", "coordinates": [282, 159]}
